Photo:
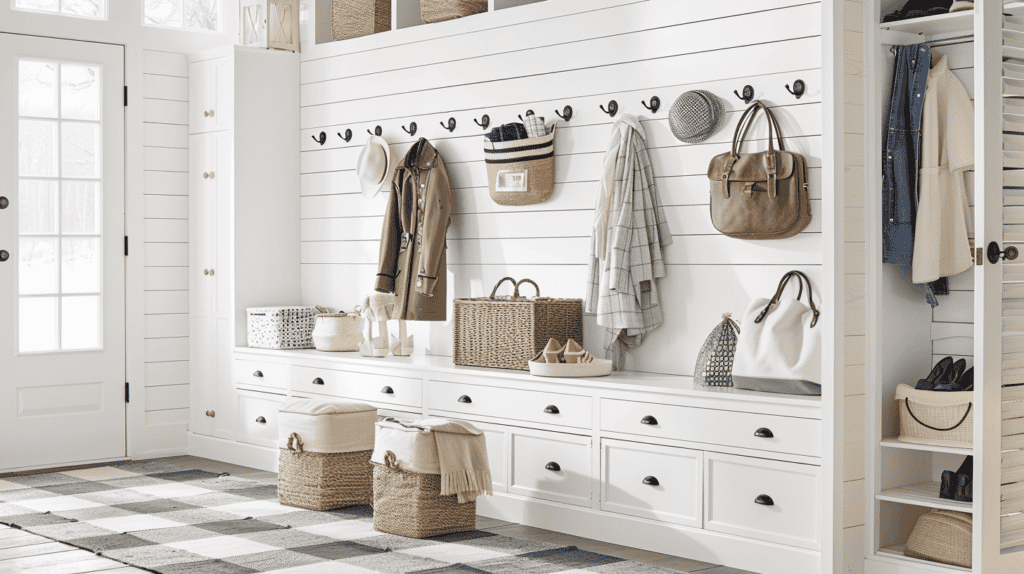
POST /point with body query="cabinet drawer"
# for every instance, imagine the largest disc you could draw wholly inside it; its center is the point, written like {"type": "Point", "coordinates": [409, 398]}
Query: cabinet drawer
{"type": "Point", "coordinates": [657, 482]}
{"type": "Point", "coordinates": [358, 386]}
{"type": "Point", "coordinates": [552, 466]}
{"type": "Point", "coordinates": [528, 406]}
{"type": "Point", "coordinates": [763, 499]}
{"type": "Point", "coordinates": [257, 418]}
{"type": "Point", "coordinates": [261, 374]}
{"type": "Point", "coordinates": [745, 430]}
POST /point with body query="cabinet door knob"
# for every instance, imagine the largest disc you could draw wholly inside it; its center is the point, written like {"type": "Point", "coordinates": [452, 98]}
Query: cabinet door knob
{"type": "Point", "coordinates": [211, 175]}
{"type": "Point", "coordinates": [388, 391]}
{"type": "Point", "coordinates": [258, 374]}
{"type": "Point", "coordinates": [206, 175]}
{"type": "Point", "coordinates": [764, 500]}
{"type": "Point", "coordinates": [211, 414]}
{"type": "Point", "coordinates": [764, 433]}
{"type": "Point", "coordinates": [318, 381]}
{"type": "Point", "coordinates": [4, 255]}
{"type": "Point", "coordinates": [261, 420]}
{"type": "Point", "coordinates": [465, 399]}
{"type": "Point", "coordinates": [551, 410]}
{"type": "Point", "coordinates": [553, 466]}
{"type": "Point", "coordinates": [206, 271]}
{"type": "Point", "coordinates": [208, 114]}
{"type": "Point", "coordinates": [651, 481]}
{"type": "Point", "coordinates": [648, 420]}
{"type": "Point", "coordinates": [211, 272]}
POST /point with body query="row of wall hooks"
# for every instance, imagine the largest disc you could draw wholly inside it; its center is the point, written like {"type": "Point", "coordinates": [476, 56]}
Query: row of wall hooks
{"type": "Point", "coordinates": [798, 90]}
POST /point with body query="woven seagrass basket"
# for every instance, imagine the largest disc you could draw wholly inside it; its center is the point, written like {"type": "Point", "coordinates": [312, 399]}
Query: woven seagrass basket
{"type": "Point", "coordinates": [936, 418]}
{"type": "Point", "coordinates": [324, 481]}
{"type": "Point", "coordinates": [505, 333]}
{"type": "Point", "coordinates": [410, 504]}
{"type": "Point", "coordinates": [942, 536]}
{"type": "Point", "coordinates": [441, 10]}
{"type": "Point", "coordinates": [353, 18]}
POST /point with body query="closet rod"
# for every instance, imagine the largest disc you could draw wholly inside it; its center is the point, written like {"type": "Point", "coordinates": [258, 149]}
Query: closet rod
{"type": "Point", "coordinates": [940, 42]}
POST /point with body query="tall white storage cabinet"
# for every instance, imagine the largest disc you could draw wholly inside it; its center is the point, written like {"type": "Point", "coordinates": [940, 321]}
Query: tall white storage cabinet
{"type": "Point", "coordinates": [981, 319]}
{"type": "Point", "coordinates": [244, 182]}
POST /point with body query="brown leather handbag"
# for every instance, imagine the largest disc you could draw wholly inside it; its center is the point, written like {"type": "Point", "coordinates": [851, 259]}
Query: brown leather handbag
{"type": "Point", "coordinates": [760, 195]}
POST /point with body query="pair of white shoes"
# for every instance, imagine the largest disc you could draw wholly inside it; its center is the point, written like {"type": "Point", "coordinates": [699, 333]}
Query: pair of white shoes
{"type": "Point", "coordinates": [377, 308]}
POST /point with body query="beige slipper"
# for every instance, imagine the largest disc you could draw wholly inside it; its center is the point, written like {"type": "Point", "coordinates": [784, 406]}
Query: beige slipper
{"type": "Point", "coordinates": [550, 354]}
{"type": "Point", "coordinates": [575, 353]}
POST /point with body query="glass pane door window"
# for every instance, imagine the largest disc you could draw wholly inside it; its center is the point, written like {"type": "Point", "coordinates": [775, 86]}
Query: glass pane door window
{"type": "Point", "coordinates": [80, 8]}
{"type": "Point", "coordinates": [60, 227]}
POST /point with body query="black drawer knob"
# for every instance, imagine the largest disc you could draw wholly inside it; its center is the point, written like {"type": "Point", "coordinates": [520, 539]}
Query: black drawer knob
{"type": "Point", "coordinates": [764, 500]}
{"type": "Point", "coordinates": [648, 420]}
{"type": "Point", "coordinates": [388, 391]}
{"type": "Point", "coordinates": [258, 374]}
{"type": "Point", "coordinates": [318, 381]}
{"type": "Point", "coordinates": [651, 481]}
{"type": "Point", "coordinates": [551, 410]}
{"type": "Point", "coordinates": [465, 399]}
{"type": "Point", "coordinates": [261, 420]}
{"type": "Point", "coordinates": [764, 433]}
{"type": "Point", "coordinates": [553, 466]}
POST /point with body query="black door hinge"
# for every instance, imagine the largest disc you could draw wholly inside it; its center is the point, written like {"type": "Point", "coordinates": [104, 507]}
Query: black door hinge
{"type": "Point", "coordinates": [127, 394]}
{"type": "Point", "coordinates": [126, 96]}
{"type": "Point", "coordinates": [126, 246]}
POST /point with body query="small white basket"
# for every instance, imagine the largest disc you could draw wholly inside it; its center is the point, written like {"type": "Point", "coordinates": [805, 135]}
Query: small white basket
{"type": "Point", "coordinates": [936, 418]}
{"type": "Point", "coordinates": [280, 327]}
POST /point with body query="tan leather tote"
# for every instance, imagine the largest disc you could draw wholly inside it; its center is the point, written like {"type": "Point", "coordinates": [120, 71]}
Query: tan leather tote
{"type": "Point", "coordinates": [761, 195]}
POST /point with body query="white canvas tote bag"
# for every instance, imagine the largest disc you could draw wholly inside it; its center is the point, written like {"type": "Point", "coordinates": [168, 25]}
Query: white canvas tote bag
{"type": "Point", "coordinates": [780, 348]}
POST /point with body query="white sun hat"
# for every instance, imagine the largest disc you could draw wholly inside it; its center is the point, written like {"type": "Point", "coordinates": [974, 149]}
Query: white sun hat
{"type": "Point", "coordinates": [374, 166]}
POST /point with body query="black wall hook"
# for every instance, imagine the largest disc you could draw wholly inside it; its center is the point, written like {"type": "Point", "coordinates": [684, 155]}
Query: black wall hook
{"type": "Point", "coordinates": [613, 108]}
{"type": "Point", "coordinates": [655, 104]}
{"type": "Point", "coordinates": [483, 122]}
{"type": "Point", "coordinates": [748, 94]}
{"type": "Point", "coordinates": [347, 137]}
{"type": "Point", "coordinates": [451, 125]}
{"type": "Point", "coordinates": [412, 129]}
{"type": "Point", "coordinates": [322, 139]}
{"type": "Point", "coordinates": [377, 131]}
{"type": "Point", "coordinates": [528, 112]}
{"type": "Point", "coordinates": [798, 89]}
{"type": "Point", "coordinates": [566, 114]}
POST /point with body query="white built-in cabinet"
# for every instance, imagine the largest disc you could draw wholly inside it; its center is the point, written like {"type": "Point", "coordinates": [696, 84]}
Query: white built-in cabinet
{"type": "Point", "coordinates": [243, 182]}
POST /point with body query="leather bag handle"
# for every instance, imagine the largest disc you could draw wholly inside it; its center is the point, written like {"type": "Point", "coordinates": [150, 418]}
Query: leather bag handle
{"type": "Point", "coordinates": [747, 121]}
{"type": "Point", "coordinates": [782, 287]}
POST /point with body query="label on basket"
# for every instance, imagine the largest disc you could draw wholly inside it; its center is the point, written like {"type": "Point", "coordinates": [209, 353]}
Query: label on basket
{"type": "Point", "coordinates": [512, 180]}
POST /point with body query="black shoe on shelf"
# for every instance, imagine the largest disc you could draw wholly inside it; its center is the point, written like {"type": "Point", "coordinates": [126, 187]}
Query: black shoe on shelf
{"type": "Point", "coordinates": [937, 373]}
{"type": "Point", "coordinates": [966, 382]}
{"type": "Point", "coordinates": [950, 377]}
{"type": "Point", "coordinates": [919, 9]}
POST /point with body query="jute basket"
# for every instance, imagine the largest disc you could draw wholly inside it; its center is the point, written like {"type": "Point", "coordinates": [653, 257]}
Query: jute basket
{"type": "Point", "coordinates": [505, 333]}
{"type": "Point", "coordinates": [410, 504]}
{"type": "Point", "coordinates": [936, 418]}
{"type": "Point", "coordinates": [353, 18]}
{"type": "Point", "coordinates": [322, 481]}
{"type": "Point", "coordinates": [942, 536]}
{"type": "Point", "coordinates": [441, 10]}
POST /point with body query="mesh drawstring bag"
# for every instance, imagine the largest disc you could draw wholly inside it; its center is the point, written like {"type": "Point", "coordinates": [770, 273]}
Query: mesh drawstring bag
{"type": "Point", "coordinates": [714, 362]}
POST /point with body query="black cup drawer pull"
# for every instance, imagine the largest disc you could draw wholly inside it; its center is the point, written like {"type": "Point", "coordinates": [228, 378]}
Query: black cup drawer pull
{"type": "Point", "coordinates": [764, 500]}
{"type": "Point", "coordinates": [764, 433]}
{"type": "Point", "coordinates": [261, 420]}
{"type": "Point", "coordinates": [318, 381]}
{"type": "Point", "coordinates": [388, 391]}
{"type": "Point", "coordinates": [648, 420]}
{"type": "Point", "coordinates": [651, 481]}
{"type": "Point", "coordinates": [551, 410]}
{"type": "Point", "coordinates": [465, 399]}
{"type": "Point", "coordinates": [553, 466]}
{"type": "Point", "coordinates": [258, 374]}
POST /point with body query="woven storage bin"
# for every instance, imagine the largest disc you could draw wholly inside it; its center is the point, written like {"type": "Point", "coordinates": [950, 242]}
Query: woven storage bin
{"type": "Point", "coordinates": [280, 327]}
{"type": "Point", "coordinates": [441, 10]}
{"type": "Point", "coordinates": [505, 333]}
{"type": "Point", "coordinates": [354, 18]}
{"type": "Point", "coordinates": [410, 504]}
{"type": "Point", "coordinates": [936, 418]}
{"type": "Point", "coordinates": [329, 468]}
{"type": "Point", "coordinates": [942, 536]}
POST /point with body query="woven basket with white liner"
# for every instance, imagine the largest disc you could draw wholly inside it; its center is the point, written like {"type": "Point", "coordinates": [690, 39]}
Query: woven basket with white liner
{"type": "Point", "coordinates": [506, 332]}
{"type": "Point", "coordinates": [942, 536]}
{"type": "Point", "coordinates": [935, 417]}
{"type": "Point", "coordinates": [441, 10]}
{"type": "Point", "coordinates": [280, 327]}
{"type": "Point", "coordinates": [325, 454]}
{"type": "Point", "coordinates": [353, 18]}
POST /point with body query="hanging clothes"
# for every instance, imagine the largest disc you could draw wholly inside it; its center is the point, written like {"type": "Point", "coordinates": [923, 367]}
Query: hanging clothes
{"type": "Point", "coordinates": [630, 231]}
{"type": "Point", "coordinates": [944, 219]}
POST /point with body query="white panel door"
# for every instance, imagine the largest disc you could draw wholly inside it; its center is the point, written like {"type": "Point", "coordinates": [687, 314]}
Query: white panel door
{"type": "Point", "coordinates": [222, 281]}
{"type": "Point", "coordinates": [62, 287]}
{"type": "Point", "coordinates": [204, 225]}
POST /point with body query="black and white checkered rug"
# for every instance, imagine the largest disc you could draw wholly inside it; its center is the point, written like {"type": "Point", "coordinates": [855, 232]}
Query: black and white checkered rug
{"type": "Point", "coordinates": [168, 519]}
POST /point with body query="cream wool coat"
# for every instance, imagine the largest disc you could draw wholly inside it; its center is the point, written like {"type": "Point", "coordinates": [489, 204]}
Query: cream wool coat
{"type": "Point", "coordinates": [944, 217]}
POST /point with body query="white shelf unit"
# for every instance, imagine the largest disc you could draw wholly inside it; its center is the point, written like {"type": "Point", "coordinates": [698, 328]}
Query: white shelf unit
{"type": "Point", "coordinates": [902, 478]}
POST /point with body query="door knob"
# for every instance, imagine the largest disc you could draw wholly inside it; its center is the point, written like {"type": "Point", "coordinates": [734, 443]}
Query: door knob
{"type": "Point", "coordinates": [211, 272]}
{"type": "Point", "coordinates": [4, 255]}
{"type": "Point", "coordinates": [208, 114]}
{"type": "Point", "coordinates": [764, 500]}
{"type": "Point", "coordinates": [995, 254]}
{"type": "Point", "coordinates": [648, 420]}
{"type": "Point", "coordinates": [651, 481]}
{"type": "Point", "coordinates": [388, 391]}
{"type": "Point", "coordinates": [465, 399]}
{"type": "Point", "coordinates": [764, 433]}
{"type": "Point", "coordinates": [553, 466]}
{"type": "Point", "coordinates": [4, 202]}
{"type": "Point", "coordinates": [206, 175]}
{"type": "Point", "coordinates": [261, 420]}
{"type": "Point", "coordinates": [551, 410]}
{"type": "Point", "coordinates": [211, 175]}
{"type": "Point", "coordinates": [206, 271]}
{"type": "Point", "coordinates": [211, 414]}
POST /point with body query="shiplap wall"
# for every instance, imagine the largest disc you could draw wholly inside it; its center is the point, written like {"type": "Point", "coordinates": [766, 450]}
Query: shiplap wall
{"type": "Point", "coordinates": [166, 250]}
{"type": "Point", "coordinates": [623, 50]}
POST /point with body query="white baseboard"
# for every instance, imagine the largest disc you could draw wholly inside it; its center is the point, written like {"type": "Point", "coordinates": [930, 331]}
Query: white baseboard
{"type": "Point", "coordinates": [252, 456]}
{"type": "Point", "coordinates": [151, 454]}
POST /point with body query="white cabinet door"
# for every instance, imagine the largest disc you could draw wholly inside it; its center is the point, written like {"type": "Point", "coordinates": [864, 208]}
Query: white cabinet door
{"type": "Point", "coordinates": [221, 280]}
{"type": "Point", "coordinates": [202, 219]}
{"type": "Point", "coordinates": [211, 102]}
{"type": "Point", "coordinates": [650, 481]}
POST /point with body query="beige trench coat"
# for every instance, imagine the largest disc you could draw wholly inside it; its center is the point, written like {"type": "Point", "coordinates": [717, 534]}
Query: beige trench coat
{"type": "Point", "coordinates": [413, 250]}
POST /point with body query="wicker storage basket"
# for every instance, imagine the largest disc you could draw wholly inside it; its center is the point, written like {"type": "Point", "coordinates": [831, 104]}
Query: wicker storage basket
{"type": "Point", "coordinates": [505, 333]}
{"type": "Point", "coordinates": [280, 327]}
{"type": "Point", "coordinates": [410, 504]}
{"type": "Point", "coordinates": [441, 10]}
{"type": "Point", "coordinates": [936, 418]}
{"type": "Point", "coordinates": [942, 536]}
{"type": "Point", "coordinates": [354, 18]}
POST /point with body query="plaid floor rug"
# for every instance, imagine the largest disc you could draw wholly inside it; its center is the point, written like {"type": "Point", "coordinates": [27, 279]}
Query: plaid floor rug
{"type": "Point", "coordinates": [167, 519]}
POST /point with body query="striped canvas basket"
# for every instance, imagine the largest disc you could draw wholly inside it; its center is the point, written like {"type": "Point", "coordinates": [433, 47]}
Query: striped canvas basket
{"type": "Point", "coordinates": [521, 172]}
